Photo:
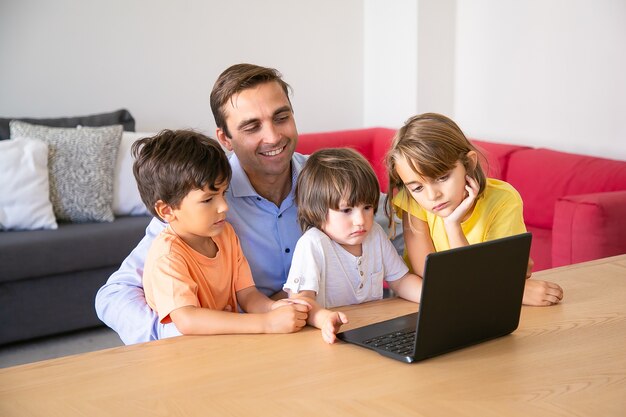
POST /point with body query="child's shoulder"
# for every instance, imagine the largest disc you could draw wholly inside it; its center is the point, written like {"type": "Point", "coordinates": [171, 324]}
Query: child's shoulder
{"type": "Point", "coordinates": [166, 242]}
{"type": "Point", "coordinates": [314, 239]}
{"type": "Point", "coordinates": [501, 190]}
{"type": "Point", "coordinates": [314, 234]}
{"type": "Point", "coordinates": [497, 184]}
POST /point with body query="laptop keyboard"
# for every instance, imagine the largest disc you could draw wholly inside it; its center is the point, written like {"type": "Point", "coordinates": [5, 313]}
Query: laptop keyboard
{"type": "Point", "coordinates": [400, 342]}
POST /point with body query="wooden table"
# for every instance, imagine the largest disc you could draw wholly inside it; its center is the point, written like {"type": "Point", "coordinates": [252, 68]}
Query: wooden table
{"type": "Point", "coordinates": [566, 360]}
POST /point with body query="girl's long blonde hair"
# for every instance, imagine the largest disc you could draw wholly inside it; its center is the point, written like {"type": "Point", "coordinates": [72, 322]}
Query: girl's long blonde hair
{"type": "Point", "coordinates": [432, 144]}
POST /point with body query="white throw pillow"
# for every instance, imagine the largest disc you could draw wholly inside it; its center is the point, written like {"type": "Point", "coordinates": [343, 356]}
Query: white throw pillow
{"type": "Point", "coordinates": [126, 199]}
{"type": "Point", "coordinates": [24, 186]}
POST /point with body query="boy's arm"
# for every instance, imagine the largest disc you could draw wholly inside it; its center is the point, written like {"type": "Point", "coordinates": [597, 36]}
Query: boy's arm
{"type": "Point", "coordinates": [198, 320]}
{"type": "Point", "coordinates": [252, 300]}
{"type": "Point", "coordinates": [408, 287]}
{"type": "Point", "coordinates": [121, 302]}
{"type": "Point", "coordinates": [327, 321]}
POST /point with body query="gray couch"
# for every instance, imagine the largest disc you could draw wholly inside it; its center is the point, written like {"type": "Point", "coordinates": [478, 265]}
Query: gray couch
{"type": "Point", "coordinates": [49, 278]}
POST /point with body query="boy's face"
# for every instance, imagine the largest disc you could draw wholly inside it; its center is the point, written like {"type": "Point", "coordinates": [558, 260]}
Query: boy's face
{"type": "Point", "coordinates": [263, 129]}
{"type": "Point", "coordinates": [439, 196]}
{"type": "Point", "coordinates": [349, 226]}
{"type": "Point", "coordinates": [201, 214]}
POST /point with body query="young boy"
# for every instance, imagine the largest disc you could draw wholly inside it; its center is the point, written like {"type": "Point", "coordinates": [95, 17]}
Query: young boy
{"type": "Point", "coordinates": [344, 256]}
{"type": "Point", "coordinates": [195, 273]}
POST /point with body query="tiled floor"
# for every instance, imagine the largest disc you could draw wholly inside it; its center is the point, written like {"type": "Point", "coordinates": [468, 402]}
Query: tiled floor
{"type": "Point", "coordinates": [57, 346]}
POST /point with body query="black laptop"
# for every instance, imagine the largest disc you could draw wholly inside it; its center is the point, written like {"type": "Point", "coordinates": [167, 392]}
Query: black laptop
{"type": "Point", "coordinates": [469, 295]}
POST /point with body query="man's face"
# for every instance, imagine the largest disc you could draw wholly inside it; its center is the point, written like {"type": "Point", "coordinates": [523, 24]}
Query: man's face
{"type": "Point", "coordinates": [263, 129]}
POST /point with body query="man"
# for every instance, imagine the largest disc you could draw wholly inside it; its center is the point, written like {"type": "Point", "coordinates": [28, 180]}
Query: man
{"type": "Point", "coordinates": [255, 120]}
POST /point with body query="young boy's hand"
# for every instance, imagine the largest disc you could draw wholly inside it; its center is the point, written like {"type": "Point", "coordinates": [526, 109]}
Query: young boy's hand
{"type": "Point", "coordinates": [288, 318]}
{"type": "Point", "coordinates": [331, 326]}
{"type": "Point", "coordinates": [541, 293]}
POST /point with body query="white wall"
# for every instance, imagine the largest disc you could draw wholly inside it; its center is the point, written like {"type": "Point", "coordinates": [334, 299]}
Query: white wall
{"type": "Point", "coordinates": [538, 72]}
{"type": "Point", "coordinates": [390, 61]}
{"type": "Point", "coordinates": [548, 73]}
{"type": "Point", "coordinates": [160, 58]}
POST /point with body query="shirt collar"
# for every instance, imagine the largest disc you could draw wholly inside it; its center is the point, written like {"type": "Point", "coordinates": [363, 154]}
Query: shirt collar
{"type": "Point", "coordinates": [240, 185]}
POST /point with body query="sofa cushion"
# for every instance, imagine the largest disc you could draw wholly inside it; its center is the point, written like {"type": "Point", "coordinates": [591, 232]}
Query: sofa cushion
{"type": "Point", "coordinates": [126, 198]}
{"type": "Point", "coordinates": [24, 186]}
{"type": "Point", "coordinates": [373, 143]}
{"type": "Point", "coordinates": [497, 157]}
{"type": "Point", "coordinates": [589, 226]}
{"type": "Point", "coordinates": [72, 247]}
{"type": "Point", "coordinates": [541, 248]}
{"type": "Point", "coordinates": [81, 163]}
{"type": "Point", "coordinates": [118, 117]}
{"type": "Point", "coordinates": [542, 176]}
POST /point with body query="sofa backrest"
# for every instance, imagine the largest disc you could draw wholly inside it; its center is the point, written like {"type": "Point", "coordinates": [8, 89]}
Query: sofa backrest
{"type": "Point", "coordinates": [373, 143]}
{"type": "Point", "coordinates": [542, 176]}
{"type": "Point", "coordinates": [495, 157]}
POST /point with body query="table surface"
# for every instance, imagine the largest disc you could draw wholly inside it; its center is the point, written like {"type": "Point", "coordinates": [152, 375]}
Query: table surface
{"type": "Point", "coordinates": [565, 360]}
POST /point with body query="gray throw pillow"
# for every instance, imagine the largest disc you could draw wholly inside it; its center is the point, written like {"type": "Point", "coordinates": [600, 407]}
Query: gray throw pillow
{"type": "Point", "coordinates": [81, 164]}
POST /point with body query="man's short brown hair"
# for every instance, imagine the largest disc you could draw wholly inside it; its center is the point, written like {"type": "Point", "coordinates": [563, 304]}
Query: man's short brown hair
{"type": "Point", "coordinates": [235, 79]}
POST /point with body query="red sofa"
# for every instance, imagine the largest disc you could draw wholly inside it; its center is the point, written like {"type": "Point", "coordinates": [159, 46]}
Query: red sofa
{"type": "Point", "coordinates": [574, 205]}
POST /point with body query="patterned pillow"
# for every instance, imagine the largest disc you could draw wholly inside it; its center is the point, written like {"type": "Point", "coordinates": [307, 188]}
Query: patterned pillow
{"type": "Point", "coordinates": [81, 164]}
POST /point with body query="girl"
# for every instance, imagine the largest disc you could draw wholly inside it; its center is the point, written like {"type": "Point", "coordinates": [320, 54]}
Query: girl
{"type": "Point", "coordinates": [343, 256]}
{"type": "Point", "coordinates": [445, 200]}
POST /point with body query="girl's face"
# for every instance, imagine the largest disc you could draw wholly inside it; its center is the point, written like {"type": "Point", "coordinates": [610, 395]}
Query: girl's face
{"type": "Point", "coordinates": [439, 196]}
{"type": "Point", "coordinates": [349, 226]}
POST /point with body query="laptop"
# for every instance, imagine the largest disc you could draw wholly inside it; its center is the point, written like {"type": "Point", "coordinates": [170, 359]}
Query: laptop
{"type": "Point", "coordinates": [469, 295]}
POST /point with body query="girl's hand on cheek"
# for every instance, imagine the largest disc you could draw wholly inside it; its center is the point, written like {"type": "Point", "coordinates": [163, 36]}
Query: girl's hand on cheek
{"type": "Point", "coordinates": [471, 189]}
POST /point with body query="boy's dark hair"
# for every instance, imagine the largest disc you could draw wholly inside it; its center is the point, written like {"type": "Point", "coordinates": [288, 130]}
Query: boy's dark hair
{"type": "Point", "coordinates": [171, 164]}
{"type": "Point", "coordinates": [236, 78]}
{"type": "Point", "coordinates": [330, 176]}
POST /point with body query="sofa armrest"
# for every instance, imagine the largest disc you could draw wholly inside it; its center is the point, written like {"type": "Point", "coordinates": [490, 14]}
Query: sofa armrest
{"type": "Point", "coordinates": [588, 226]}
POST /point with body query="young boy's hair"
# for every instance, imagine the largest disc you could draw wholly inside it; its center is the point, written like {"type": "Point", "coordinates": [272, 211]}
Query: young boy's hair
{"type": "Point", "coordinates": [329, 177]}
{"type": "Point", "coordinates": [235, 79]}
{"type": "Point", "coordinates": [171, 164]}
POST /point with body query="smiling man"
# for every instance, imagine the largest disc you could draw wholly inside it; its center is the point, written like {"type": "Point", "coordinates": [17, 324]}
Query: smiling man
{"type": "Point", "coordinates": [255, 120]}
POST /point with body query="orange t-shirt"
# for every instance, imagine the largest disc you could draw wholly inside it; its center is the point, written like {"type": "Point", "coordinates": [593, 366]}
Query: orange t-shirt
{"type": "Point", "coordinates": [175, 275]}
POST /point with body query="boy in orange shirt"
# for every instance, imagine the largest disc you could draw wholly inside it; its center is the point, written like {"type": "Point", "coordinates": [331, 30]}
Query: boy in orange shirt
{"type": "Point", "coordinates": [196, 274]}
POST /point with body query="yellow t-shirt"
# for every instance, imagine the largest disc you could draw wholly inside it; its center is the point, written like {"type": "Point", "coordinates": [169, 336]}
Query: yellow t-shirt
{"type": "Point", "coordinates": [498, 213]}
{"type": "Point", "coordinates": [175, 275]}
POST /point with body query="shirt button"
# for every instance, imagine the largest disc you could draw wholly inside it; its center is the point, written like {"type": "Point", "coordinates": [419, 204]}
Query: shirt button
{"type": "Point", "coordinates": [361, 286]}
{"type": "Point", "coordinates": [287, 250]}
{"type": "Point", "coordinates": [258, 199]}
{"type": "Point", "coordinates": [361, 273]}
{"type": "Point", "coordinates": [296, 280]}
{"type": "Point", "coordinates": [280, 215]}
